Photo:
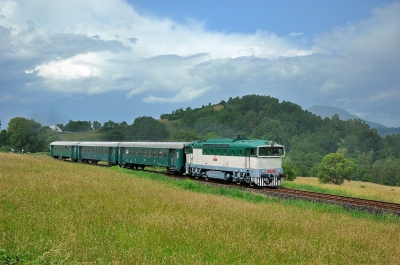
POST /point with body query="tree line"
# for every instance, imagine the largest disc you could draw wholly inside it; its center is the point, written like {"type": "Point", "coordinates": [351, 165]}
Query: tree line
{"type": "Point", "coordinates": [307, 138]}
{"type": "Point", "coordinates": [31, 136]}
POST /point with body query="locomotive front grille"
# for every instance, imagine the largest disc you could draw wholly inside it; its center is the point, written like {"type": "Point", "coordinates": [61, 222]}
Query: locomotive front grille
{"type": "Point", "coordinates": [267, 180]}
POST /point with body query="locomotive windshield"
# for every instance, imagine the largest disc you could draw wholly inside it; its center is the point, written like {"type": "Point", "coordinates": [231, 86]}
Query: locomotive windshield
{"type": "Point", "coordinates": [270, 151]}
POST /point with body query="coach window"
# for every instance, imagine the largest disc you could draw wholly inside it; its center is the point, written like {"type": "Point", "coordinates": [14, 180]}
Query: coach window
{"type": "Point", "coordinates": [144, 152]}
{"type": "Point", "coordinates": [155, 153]}
{"type": "Point", "coordinates": [149, 152]}
{"type": "Point", "coordinates": [159, 153]}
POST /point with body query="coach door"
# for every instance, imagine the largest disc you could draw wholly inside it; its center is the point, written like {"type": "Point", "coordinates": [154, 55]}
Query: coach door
{"type": "Point", "coordinates": [173, 154]}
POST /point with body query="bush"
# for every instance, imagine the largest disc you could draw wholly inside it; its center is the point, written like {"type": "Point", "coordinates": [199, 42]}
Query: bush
{"type": "Point", "coordinates": [335, 168]}
{"type": "Point", "coordinates": [289, 171]}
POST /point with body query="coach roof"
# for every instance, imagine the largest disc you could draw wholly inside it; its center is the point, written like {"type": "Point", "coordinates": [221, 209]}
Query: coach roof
{"type": "Point", "coordinates": [95, 144]}
{"type": "Point", "coordinates": [171, 145]}
{"type": "Point", "coordinates": [69, 143]}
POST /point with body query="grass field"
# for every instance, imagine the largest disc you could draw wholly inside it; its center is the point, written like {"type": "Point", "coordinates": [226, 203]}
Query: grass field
{"type": "Point", "coordinates": [54, 212]}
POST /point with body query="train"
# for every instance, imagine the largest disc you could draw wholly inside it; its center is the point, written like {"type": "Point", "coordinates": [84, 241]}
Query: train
{"type": "Point", "coordinates": [239, 160]}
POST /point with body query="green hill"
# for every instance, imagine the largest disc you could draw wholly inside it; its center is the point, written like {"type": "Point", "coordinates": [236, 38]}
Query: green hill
{"type": "Point", "coordinates": [80, 136]}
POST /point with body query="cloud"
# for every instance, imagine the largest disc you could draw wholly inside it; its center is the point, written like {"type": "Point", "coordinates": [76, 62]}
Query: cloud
{"type": "Point", "coordinates": [54, 49]}
{"type": "Point", "coordinates": [374, 39]}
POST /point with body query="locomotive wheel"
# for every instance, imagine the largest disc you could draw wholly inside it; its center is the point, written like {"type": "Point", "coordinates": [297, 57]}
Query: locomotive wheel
{"type": "Point", "coordinates": [252, 184]}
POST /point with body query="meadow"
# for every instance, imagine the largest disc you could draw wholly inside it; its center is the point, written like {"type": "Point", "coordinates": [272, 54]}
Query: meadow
{"type": "Point", "coordinates": [54, 212]}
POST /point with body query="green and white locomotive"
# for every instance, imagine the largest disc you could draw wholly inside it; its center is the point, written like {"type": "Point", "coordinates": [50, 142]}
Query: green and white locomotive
{"type": "Point", "coordinates": [240, 160]}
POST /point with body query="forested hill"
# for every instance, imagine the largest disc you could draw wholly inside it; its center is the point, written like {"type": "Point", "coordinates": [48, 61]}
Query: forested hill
{"type": "Point", "coordinates": [307, 137]}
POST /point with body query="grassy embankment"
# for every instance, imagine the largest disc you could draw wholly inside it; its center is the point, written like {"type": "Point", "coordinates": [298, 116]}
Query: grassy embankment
{"type": "Point", "coordinates": [60, 212]}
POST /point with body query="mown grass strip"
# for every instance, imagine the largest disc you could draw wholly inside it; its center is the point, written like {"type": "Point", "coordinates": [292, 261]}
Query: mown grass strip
{"type": "Point", "coordinates": [293, 185]}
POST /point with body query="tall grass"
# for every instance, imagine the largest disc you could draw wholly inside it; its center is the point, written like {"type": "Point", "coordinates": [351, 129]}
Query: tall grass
{"type": "Point", "coordinates": [56, 212]}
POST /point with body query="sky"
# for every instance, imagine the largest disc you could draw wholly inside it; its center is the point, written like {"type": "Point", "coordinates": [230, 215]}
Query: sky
{"type": "Point", "coordinates": [122, 59]}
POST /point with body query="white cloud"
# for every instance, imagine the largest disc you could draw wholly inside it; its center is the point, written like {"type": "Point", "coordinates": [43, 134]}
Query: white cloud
{"type": "Point", "coordinates": [91, 47]}
{"type": "Point", "coordinates": [67, 69]}
{"type": "Point", "coordinates": [377, 38]}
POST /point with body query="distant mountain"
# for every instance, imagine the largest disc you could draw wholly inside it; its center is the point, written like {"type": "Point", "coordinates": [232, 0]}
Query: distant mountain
{"type": "Point", "coordinates": [328, 112]}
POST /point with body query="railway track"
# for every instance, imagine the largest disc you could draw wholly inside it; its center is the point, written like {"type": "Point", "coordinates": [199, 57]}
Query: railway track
{"type": "Point", "coordinates": [347, 202]}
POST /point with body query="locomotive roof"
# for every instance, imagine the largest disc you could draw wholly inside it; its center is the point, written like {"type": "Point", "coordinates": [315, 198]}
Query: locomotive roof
{"type": "Point", "coordinates": [232, 143]}
{"type": "Point", "coordinates": [154, 144]}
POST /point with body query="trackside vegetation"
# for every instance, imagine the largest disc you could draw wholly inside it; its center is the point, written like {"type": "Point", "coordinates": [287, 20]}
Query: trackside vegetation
{"type": "Point", "coordinates": [55, 212]}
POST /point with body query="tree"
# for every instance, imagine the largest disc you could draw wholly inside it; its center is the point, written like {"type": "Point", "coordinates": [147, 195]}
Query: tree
{"type": "Point", "coordinates": [78, 126]}
{"type": "Point", "coordinates": [4, 141]}
{"type": "Point", "coordinates": [113, 135]}
{"type": "Point", "coordinates": [109, 126]}
{"type": "Point", "coordinates": [335, 168]}
{"type": "Point", "coordinates": [29, 135]}
{"type": "Point", "coordinates": [96, 125]}
{"type": "Point", "coordinates": [148, 129]}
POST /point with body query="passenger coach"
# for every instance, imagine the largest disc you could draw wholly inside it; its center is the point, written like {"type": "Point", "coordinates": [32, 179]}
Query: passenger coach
{"type": "Point", "coordinates": [93, 152]}
{"type": "Point", "coordinates": [163, 154]}
{"type": "Point", "coordinates": [64, 150]}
